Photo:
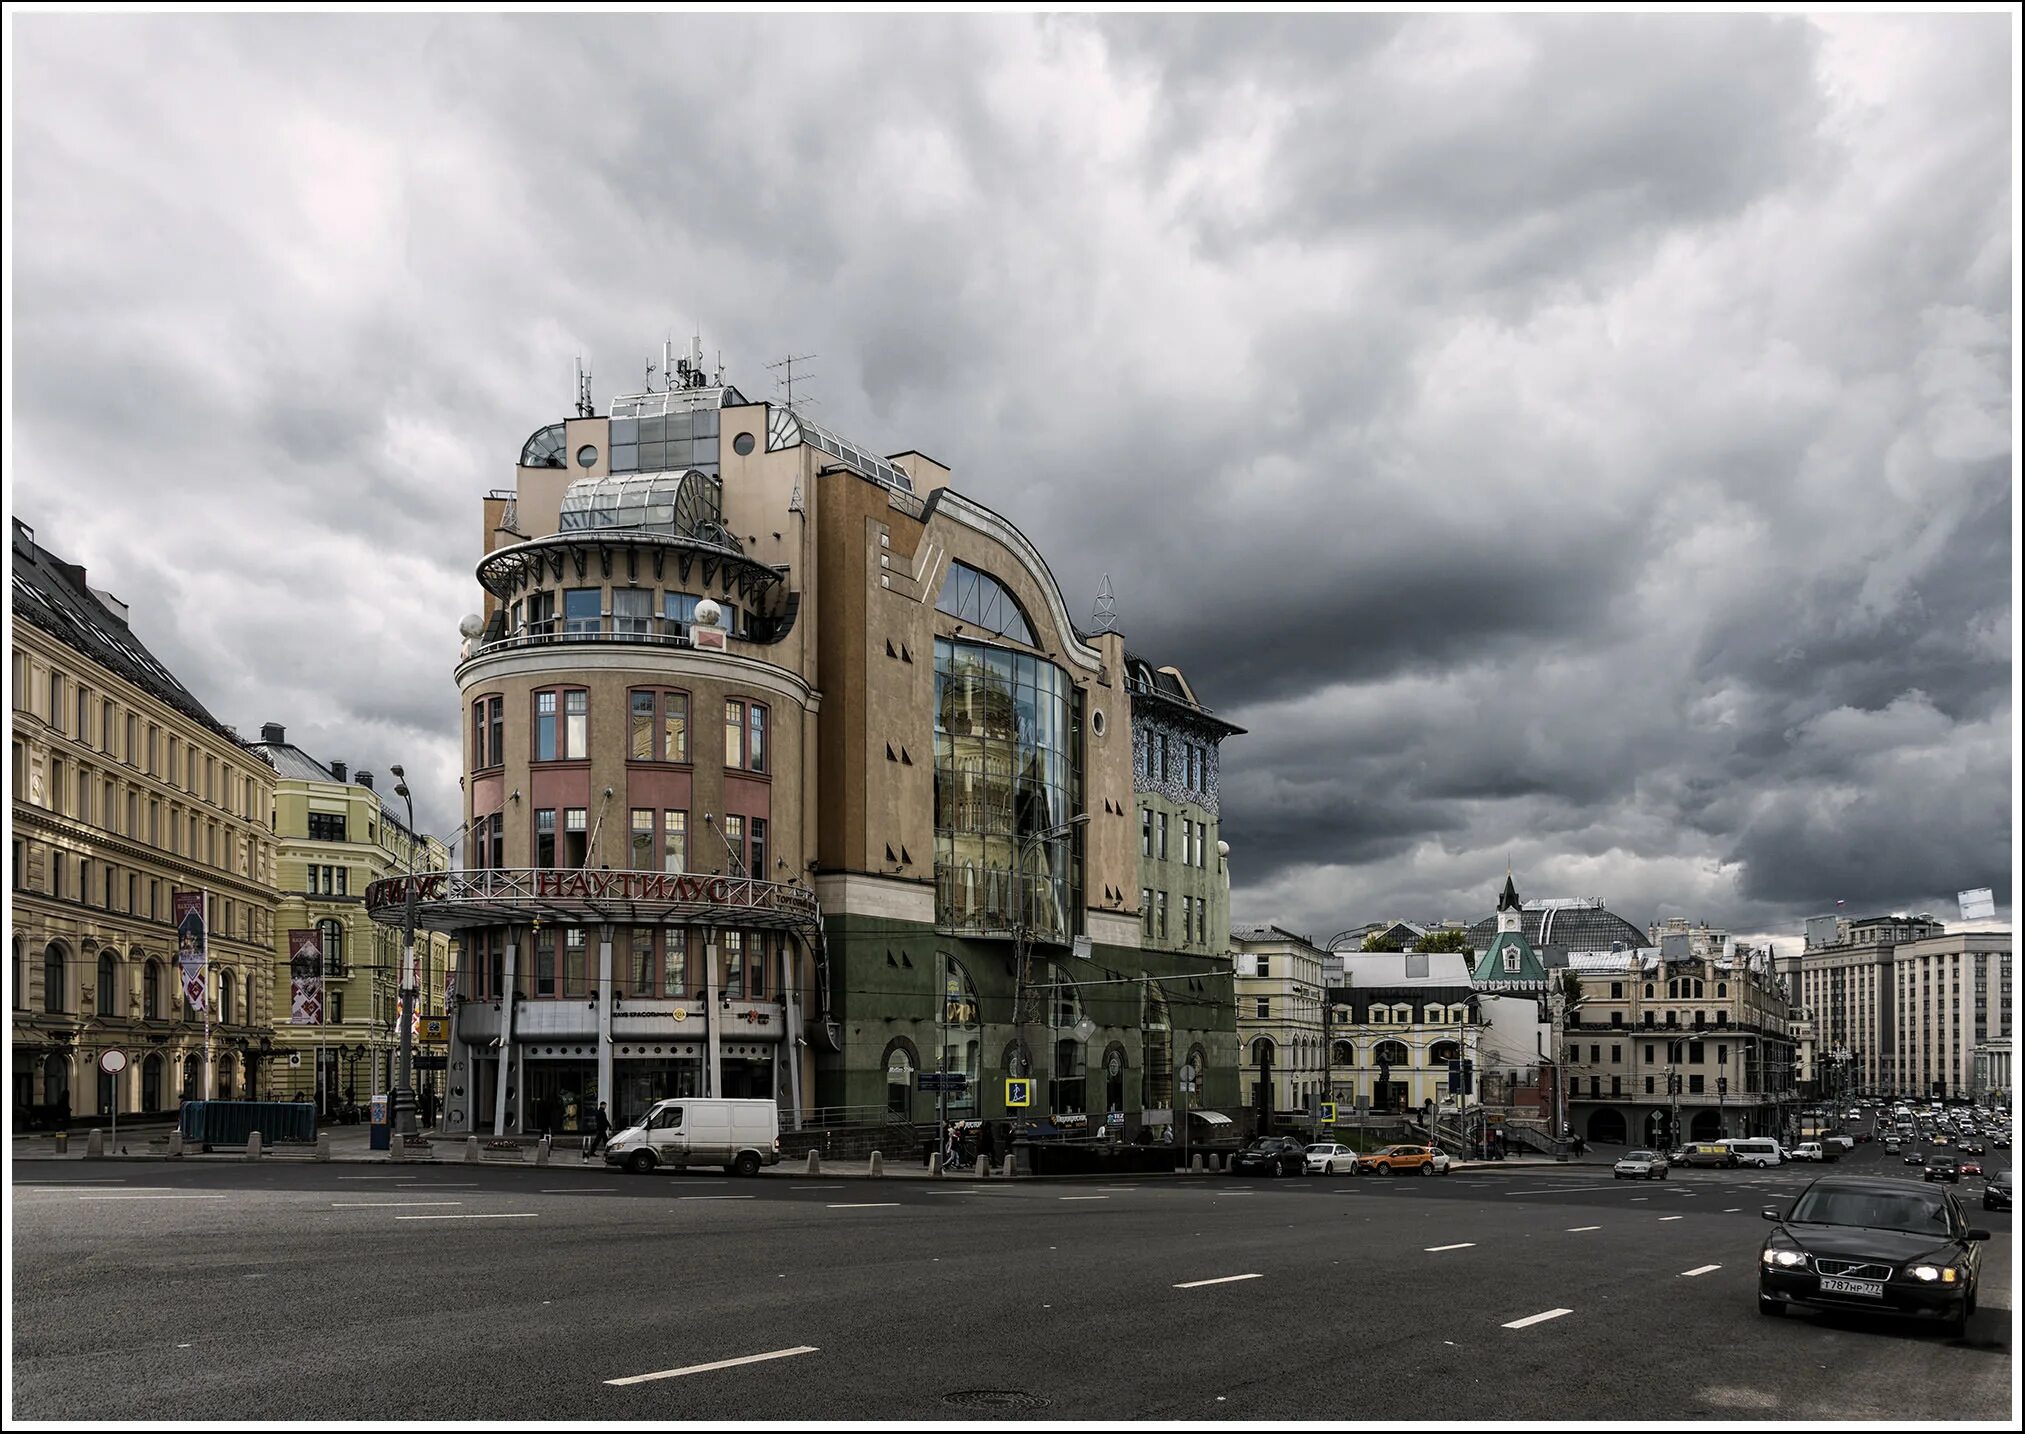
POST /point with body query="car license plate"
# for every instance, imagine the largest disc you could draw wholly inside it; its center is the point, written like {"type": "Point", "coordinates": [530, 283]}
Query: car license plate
{"type": "Point", "coordinates": [1870, 1288]}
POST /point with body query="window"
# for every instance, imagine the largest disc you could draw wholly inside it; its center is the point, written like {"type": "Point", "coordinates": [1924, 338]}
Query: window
{"type": "Point", "coordinates": [758, 870]}
{"type": "Point", "coordinates": [1264, 1007]}
{"type": "Point", "coordinates": [734, 964]}
{"type": "Point", "coordinates": [755, 748]}
{"type": "Point", "coordinates": [576, 725]}
{"type": "Point", "coordinates": [1187, 917]}
{"type": "Point", "coordinates": [52, 979]}
{"type": "Point", "coordinates": [755, 974]}
{"type": "Point", "coordinates": [632, 610]}
{"type": "Point", "coordinates": [56, 700]}
{"type": "Point", "coordinates": [544, 837]}
{"type": "Point", "coordinates": [1145, 830]}
{"type": "Point", "coordinates": [108, 984]}
{"type": "Point", "coordinates": [544, 962]}
{"type": "Point", "coordinates": [580, 610]}
{"type": "Point", "coordinates": [674, 963]}
{"type": "Point", "coordinates": [660, 726]}
{"type": "Point", "coordinates": [1648, 1085]}
{"type": "Point", "coordinates": [642, 848]}
{"type": "Point", "coordinates": [642, 749]}
{"type": "Point", "coordinates": [1146, 910]}
{"type": "Point", "coordinates": [734, 840]}
{"type": "Point", "coordinates": [1162, 827]}
{"type": "Point", "coordinates": [573, 961]}
{"type": "Point", "coordinates": [544, 726]}
{"type": "Point", "coordinates": [734, 734]}
{"type": "Point", "coordinates": [151, 990]}
{"type": "Point", "coordinates": [331, 937]}
{"type": "Point", "coordinates": [324, 826]}
{"type": "Point", "coordinates": [979, 599]}
{"type": "Point", "coordinates": [641, 966]}
{"type": "Point", "coordinates": [576, 837]}
{"type": "Point", "coordinates": [1160, 912]}
{"type": "Point", "coordinates": [674, 841]}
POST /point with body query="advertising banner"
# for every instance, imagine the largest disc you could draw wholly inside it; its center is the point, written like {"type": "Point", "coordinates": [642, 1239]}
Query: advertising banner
{"type": "Point", "coordinates": [187, 910]}
{"type": "Point", "coordinates": [305, 978]}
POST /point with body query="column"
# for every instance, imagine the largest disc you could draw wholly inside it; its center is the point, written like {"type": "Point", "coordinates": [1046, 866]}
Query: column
{"type": "Point", "coordinates": [713, 1071]}
{"type": "Point", "coordinates": [607, 999]}
{"type": "Point", "coordinates": [791, 1030]}
{"type": "Point", "coordinates": [505, 1034]}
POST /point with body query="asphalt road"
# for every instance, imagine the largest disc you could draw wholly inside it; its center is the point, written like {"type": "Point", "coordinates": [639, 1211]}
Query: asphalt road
{"type": "Point", "coordinates": [210, 1292]}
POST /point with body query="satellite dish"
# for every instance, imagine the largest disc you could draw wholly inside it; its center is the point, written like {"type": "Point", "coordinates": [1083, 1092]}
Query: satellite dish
{"type": "Point", "coordinates": [472, 625]}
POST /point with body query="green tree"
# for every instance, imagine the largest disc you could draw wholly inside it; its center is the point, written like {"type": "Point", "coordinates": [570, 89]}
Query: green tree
{"type": "Point", "coordinates": [1380, 941]}
{"type": "Point", "coordinates": [1446, 939]}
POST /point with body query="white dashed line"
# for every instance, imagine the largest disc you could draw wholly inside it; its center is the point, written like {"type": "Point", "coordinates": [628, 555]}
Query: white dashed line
{"type": "Point", "coordinates": [125, 1196]}
{"type": "Point", "coordinates": [1536, 1319]}
{"type": "Point", "coordinates": [1221, 1280]}
{"type": "Point", "coordinates": [1699, 1270]}
{"type": "Point", "coordinates": [815, 1187]}
{"type": "Point", "coordinates": [717, 1364]}
{"type": "Point", "coordinates": [1578, 1229]}
{"type": "Point", "coordinates": [680, 1198]}
{"type": "Point", "coordinates": [1640, 1199]}
{"type": "Point", "coordinates": [577, 1190]}
{"type": "Point", "coordinates": [1437, 1249]}
{"type": "Point", "coordinates": [1664, 1218]}
{"type": "Point", "coordinates": [387, 1204]}
{"type": "Point", "coordinates": [868, 1205]}
{"type": "Point", "coordinates": [1733, 1209]}
{"type": "Point", "coordinates": [1083, 1197]}
{"type": "Point", "coordinates": [518, 1215]}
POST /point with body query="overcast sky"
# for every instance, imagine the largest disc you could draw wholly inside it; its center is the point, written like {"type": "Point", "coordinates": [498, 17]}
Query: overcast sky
{"type": "Point", "coordinates": [1577, 442]}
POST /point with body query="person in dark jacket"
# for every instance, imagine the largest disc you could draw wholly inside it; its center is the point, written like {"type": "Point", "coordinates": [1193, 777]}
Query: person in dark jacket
{"type": "Point", "coordinates": [601, 1129]}
{"type": "Point", "coordinates": [987, 1144]}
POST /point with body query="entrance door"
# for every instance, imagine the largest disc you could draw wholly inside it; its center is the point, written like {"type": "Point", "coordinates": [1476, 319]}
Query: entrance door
{"type": "Point", "coordinates": [561, 1096]}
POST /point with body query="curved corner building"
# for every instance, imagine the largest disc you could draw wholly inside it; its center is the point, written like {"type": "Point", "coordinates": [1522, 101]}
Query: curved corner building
{"type": "Point", "coordinates": [787, 775]}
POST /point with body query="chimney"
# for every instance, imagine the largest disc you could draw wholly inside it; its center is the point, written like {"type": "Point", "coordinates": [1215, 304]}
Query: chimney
{"type": "Point", "coordinates": [273, 732]}
{"type": "Point", "coordinates": [337, 770]}
{"type": "Point", "coordinates": [365, 779]}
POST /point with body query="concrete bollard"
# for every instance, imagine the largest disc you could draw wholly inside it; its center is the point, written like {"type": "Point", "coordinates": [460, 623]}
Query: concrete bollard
{"type": "Point", "coordinates": [876, 1167]}
{"type": "Point", "coordinates": [815, 1163]}
{"type": "Point", "coordinates": [253, 1145]}
{"type": "Point", "coordinates": [470, 1150]}
{"type": "Point", "coordinates": [934, 1165]}
{"type": "Point", "coordinates": [175, 1144]}
{"type": "Point", "coordinates": [322, 1146]}
{"type": "Point", "coordinates": [541, 1152]}
{"type": "Point", "coordinates": [1195, 1166]}
{"type": "Point", "coordinates": [1008, 1167]}
{"type": "Point", "coordinates": [983, 1169]}
{"type": "Point", "coordinates": [94, 1145]}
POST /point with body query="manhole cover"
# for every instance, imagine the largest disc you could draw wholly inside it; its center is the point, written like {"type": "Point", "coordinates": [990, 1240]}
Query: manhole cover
{"type": "Point", "coordinates": [995, 1399]}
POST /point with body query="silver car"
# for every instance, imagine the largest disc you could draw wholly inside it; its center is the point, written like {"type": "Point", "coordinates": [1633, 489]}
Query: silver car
{"type": "Point", "coordinates": [1640, 1165]}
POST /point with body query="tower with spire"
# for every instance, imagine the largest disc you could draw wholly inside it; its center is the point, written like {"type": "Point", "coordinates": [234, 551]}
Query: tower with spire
{"type": "Point", "coordinates": [1510, 965]}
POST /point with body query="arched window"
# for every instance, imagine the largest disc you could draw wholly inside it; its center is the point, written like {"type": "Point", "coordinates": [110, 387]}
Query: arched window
{"type": "Point", "coordinates": [1262, 1052]}
{"type": "Point", "coordinates": [224, 999]}
{"type": "Point", "coordinates": [1156, 1066]}
{"type": "Point", "coordinates": [1114, 1077]}
{"type": "Point", "coordinates": [1442, 1052]}
{"type": "Point", "coordinates": [108, 984]}
{"type": "Point", "coordinates": [1648, 990]}
{"type": "Point", "coordinates": [227, 1068]}
{"type": "Point", "coordinates": [899, 1079]}
{"type": "Point", "coordinates": [1344, 1054]}
{"type": "Point", "coordinates": [151, 990]}
{"type": "Point", "coordinates": [1391, 1053]}
{"type": "Point", "coordinates": [20, 974]}
{"type": "Point", "coordinates": [983, 601]}
{"type": "Point", "coordinates": [1722, 990]}
{"type": "Point", "coordinates": [53, 994]}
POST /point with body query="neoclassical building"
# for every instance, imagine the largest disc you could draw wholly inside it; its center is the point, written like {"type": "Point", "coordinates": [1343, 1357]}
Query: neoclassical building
{"type": "Point", "coordinates": [126, 790]}
{"type": "Point", "coordinates": [787, 774]}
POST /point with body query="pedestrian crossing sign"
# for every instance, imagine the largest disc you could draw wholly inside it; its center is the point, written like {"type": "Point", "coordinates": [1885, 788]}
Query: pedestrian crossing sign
{"type": "Point", "coordinates": [1328, 1112]}
{"type": "Point", "coordinates": [1019, 1093]}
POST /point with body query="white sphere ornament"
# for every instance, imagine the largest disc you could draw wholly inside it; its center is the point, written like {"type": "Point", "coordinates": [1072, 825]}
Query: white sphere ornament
{"type": "Point", "coordinates": [1223, 848]}
{"type": "Point", "coordinates": [472, 625]}
{"type": "Point", "coordinates": [708, 613]}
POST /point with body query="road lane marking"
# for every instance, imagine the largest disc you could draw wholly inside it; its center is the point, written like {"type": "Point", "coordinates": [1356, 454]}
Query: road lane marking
{"type": "Point", "coordinates": [124, 1195]}
{"type": "Point", "coordinates": [1640, 1199]}
{"type": "Point", "coordinates": [1536, 1319]}
{"type": "Point", "coordinates": [517, 1215]}
{"type": "Point", "coordinates": [387, 1204]}
{"type": "Point", "coordinates": [442, 1184]}
{"type": "Point", "coordinates": [680, 1198]}
{"type": "Point", "coordinates": [1437, 1249]}
{"type": "Point", "coordinates": [1699, 1270]}
{"type": "Point", "coordinates": [82, 1180]}
{"type": "Point", "coordinates": [1664, 1218]}
{"type": "Point", "coordinates": [1733, 1209]}
{"type": "Point", "coordinates": [1220, 1280]}
{"type": "Point", "coordinates": [868, 1205]}
{"type": "Point", "coordinates": [1083, 1197]}
{"type": "Point", "coordinates": [815, 1187]}
{"type": "Point", "coordinates": [578, 1190]}
{"type": "Point", "coordinates": [717, 1364]}
{"type": "Point", "coordinates": [1578, 1229]}
{"type": "Point", "coordinates": [1559, 1190]}
{"type": "Point", "coordinates": [376, 1177]}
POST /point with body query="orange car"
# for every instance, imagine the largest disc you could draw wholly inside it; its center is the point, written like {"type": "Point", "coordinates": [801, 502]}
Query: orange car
{"type": "Point", "coordinates": [1402, 1159]}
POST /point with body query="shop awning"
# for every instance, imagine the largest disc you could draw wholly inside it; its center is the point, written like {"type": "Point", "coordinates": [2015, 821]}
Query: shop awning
{"type": "Point", "coordinates": [1212, 1117]}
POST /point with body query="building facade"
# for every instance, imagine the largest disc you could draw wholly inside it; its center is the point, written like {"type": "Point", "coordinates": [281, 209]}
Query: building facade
{"type": "Point", "coordinates": [1395, 1024]}
{"type": "Point", "coordinates": [788, 776]}
{"type": "Point", "coordinates": [1950, 995]}
{"type": "Point", "coordinates": [1843, 977]}
{"type": "Point", "coordinates": [1281, 1030]}
{"type": "Point", "coordinates": [337, 1018]}
{"type": "Point", "coordinates": [125, 792]}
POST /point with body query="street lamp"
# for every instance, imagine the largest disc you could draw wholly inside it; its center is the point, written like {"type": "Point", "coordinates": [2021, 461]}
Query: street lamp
{"type": "Point", "coordinates": [1022, 937]}
{"type": "Point", "coordinates": [404, 1086]}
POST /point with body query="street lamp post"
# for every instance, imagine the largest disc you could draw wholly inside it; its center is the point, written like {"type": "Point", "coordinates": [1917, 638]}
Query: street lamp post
{"type": "Point", "coordinates": [404, 1083]}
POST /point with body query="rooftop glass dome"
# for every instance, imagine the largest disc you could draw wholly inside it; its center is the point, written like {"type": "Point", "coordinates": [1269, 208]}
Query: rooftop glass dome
{"type": "Point", "coordinates": [685, 504]}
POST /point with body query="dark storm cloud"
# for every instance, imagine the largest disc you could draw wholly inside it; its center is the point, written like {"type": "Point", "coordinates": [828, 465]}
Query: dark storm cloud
{"type": "Point", "coordinates": [1582, 442]}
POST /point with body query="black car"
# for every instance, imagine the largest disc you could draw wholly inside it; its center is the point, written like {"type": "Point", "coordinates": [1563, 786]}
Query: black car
{"type": "Point", "coordinates": [1944, 1167]}
{"type": "Point", "coordinates": [1998, 1191]}
{"type": "Point", "coordinates": [1913, 1157]}
{"type": "Point", "coordinates": [1273, 1155]}
{"type": "Point", "coordinates": [1873, 1245]}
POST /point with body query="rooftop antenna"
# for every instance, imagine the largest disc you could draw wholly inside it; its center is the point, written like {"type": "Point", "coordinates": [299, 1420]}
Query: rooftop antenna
{"type": "Point", "coordinates": [1104, 617]}
{"type": "Point", "coordinates": [788, 364]}
{"type": "Point", "coordinates": [585, 408]}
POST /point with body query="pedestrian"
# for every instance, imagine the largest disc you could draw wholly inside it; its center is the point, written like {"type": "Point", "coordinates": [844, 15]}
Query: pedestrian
{"type": "Point", "coordinates": [987, 1145]}
{"type": "Point", "coordinates": [952, 1149]}
{"type": "Point", "coordinates": [601, 1129]}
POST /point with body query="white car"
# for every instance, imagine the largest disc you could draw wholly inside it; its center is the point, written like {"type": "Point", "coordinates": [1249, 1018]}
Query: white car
{"type": "Point", "coordinates": [1808, 1150]}
{"type": "Point", "coordinates": [1331, 1160]}
{"type": "Point", "coordinates": [1640, 1165]}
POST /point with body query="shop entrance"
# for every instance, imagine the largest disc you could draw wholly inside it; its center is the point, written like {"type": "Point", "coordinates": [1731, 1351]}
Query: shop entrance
{"type": "Point", "coordinates": [748, 1079]}
{"type": "Point", "coordinates": [561, 1096]}
{"type": "Point", "coordinates": [640, 1083]}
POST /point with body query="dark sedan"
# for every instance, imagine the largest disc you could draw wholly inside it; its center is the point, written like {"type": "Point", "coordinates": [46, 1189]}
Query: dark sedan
{"type": "Point", "coordinates": [1998, 1191]}
{"type": "Point", "coordinates": [1880, 1246]}
{"type": "Point", "coordinates": [1272, 1155]}
{"type": "Point", "coordinates": [1944, 1167]}
{"type": "Point", "coordinates": [1913, 1157]}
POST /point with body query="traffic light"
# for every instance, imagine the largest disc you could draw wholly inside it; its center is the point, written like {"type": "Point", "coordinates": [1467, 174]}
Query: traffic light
{"type": "Point", "coordinates": [1722, 1085]}
{"type": "Point", "coordinates": [1455, 1076]}
{"type": "Point", "coordinates": [1469, 1077]}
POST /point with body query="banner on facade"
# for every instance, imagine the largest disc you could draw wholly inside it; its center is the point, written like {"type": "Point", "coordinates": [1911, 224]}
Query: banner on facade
{"type": "Point", "coordinates": [1977, 905]}
{"type": "Point", "coordinates": [305, 978]}
{"type": "Point", "coordinates": [187, 909]}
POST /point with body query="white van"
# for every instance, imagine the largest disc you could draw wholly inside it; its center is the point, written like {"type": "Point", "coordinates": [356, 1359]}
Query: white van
{"type": "Point", "coordinates": [1761, 1152]}
{"type": "Point", "coordinates": [740, 1135]}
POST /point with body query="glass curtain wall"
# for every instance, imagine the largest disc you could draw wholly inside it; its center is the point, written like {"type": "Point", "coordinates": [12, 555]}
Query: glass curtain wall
{"type": "Point", "coordinates": [1007, 767]}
